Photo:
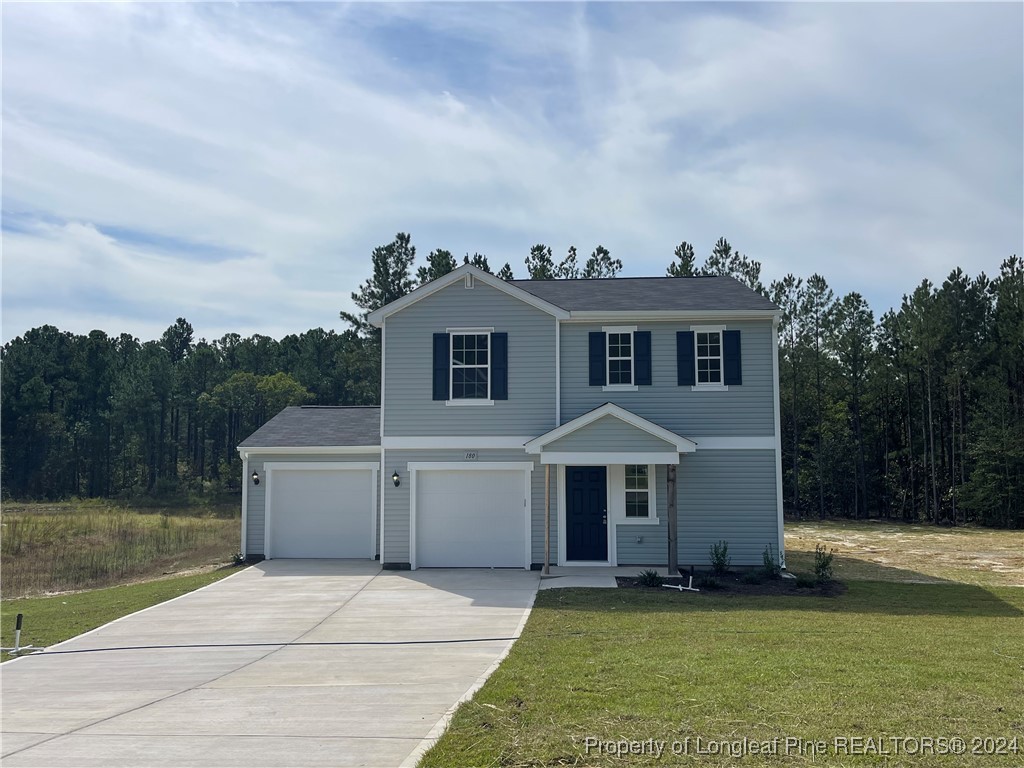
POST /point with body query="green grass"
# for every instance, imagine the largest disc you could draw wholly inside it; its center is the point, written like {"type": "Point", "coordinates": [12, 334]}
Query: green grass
{"type": "Point", "coordinates": [86, 545]}
{"type": "Point", "coordinates": [49, 620]}
{"type": "Point", "coordinates": [883, 659]}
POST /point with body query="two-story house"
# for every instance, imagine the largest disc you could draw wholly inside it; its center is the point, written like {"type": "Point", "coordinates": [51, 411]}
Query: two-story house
{"type": "Point", "coordinates": [505, 404]}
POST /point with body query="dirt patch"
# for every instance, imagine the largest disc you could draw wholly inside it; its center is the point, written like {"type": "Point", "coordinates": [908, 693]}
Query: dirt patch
{"type": "Point", "coordinates": [909, 553]}
{"type": "Point", "coordinates": [734, 584]}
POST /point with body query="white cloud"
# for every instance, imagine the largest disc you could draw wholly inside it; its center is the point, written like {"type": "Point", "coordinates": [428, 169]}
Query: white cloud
{"type": "Point", "coordinates": [876, 144]}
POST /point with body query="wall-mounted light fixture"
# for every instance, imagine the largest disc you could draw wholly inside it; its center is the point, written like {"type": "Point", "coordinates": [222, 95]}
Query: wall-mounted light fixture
{"type": "Point", "coordinates": [396, 479]}
{"type": "Point", "coordinates": [255, 477]}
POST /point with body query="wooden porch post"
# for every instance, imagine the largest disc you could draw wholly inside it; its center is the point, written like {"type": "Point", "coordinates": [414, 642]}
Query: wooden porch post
{"type": "Point", "coordinates": [673, 523]}
{"type": "Point", "coordinates": [547, 519]}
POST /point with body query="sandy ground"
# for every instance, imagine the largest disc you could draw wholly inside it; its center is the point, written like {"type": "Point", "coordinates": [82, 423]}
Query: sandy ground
{"type": "Point", "coordinates": [884, 551]}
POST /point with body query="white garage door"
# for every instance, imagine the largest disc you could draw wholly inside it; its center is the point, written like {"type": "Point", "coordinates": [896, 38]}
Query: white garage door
{"type": "Point", "coordinates": [470, 518]}
{"type": "Point", "coordinates": [321, 513]}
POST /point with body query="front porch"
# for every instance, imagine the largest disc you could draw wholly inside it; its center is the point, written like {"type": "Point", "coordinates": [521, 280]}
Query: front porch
{"type": "Point", "coordinates": [609, 489]}
{"type": "Point", "coordinates": [602, 576]}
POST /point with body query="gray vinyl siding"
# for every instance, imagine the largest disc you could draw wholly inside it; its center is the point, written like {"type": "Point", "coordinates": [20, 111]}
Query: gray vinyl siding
{"type": "Point", "coordinates": [723, 494]}
{"type": "Point", "coordinates": [409, 407]}
{"type": "Point", "coordinates": [746, 410]}
{"type": "Point", "coordinates": [609, 434]}
{"type": "Point", "coordinates": [653, 549]}
{"type": "Point", "coordinates": [727, 495]}
{"type": "Point", "coordinates": [256, 496]}
{"type": "Point", "coordinates": [396, 500]}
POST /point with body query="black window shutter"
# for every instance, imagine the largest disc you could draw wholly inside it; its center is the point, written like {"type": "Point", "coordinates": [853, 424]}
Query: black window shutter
{"type": "Point", "coordinates": [642, 357]}
{"type": "Point", "coordinates": [499, 366]}
{"type": "Point", "coordinates": [598, 350]}
{"type": "Point", "coordinates": [686, 365]}
{"type": "Point", "coordinates": [732, 369]}
{"type": "Point", "coordinates": [441, 362]}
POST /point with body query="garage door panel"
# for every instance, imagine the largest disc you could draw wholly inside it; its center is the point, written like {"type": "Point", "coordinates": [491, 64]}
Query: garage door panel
{"type": "Point", "coordinates": [321, 514]}
{"type": "Point", "coordinates": [470, 518]}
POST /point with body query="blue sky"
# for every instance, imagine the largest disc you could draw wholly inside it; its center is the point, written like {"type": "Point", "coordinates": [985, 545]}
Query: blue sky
{"type": "Point", "coordinates": [236, 164]}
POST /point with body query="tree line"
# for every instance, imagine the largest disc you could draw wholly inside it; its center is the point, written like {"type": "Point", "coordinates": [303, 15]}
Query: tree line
{"type": "Point", "coordinates": [918, 415]}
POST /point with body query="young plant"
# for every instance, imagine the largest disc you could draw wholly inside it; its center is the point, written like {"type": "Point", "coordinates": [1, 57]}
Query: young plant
{"type": "Point", "coordinates": [720, 560]}
{"type": "Point", "coordinates": [823, 564]}
{"type": "Point", "coordinates": [708, 582]}
{"type": "Point", "coordinates": [805, 581]}
{"type": "Point", "coordinates": [772, 568]}
{"type": "Point", "coordinates": [650, 578]}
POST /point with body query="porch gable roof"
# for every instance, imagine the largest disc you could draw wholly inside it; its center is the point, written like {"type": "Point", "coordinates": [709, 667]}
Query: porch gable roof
{"type": "Point", "coordinates": [610, 434]}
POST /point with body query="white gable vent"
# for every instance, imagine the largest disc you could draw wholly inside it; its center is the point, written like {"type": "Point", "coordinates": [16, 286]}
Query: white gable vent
{"type": "Point", "coordinates": [470, 282]}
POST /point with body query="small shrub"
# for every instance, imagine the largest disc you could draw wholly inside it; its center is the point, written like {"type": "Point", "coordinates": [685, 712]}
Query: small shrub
{"type": "Point", "coordinates": [720, 560]}
{"type": "Point", "coordinates": [708, 582]}
{"type": "Point", "coordinates": [823, 564]}
{"type": "Point", "coordinates": [650, 578]}
{"type": "Point", "coordinates": [805, 581]}
{"type": "Point", "coordinates": [752, 577]}
{"type": "Point", "coordinates": [772, 568]}
{"type": "Point", "coordinates": [238, 559]}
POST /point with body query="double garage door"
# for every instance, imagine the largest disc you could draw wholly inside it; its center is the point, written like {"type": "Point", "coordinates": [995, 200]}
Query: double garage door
{"type": "Point", "coordinates": [320, 512]}
{"type": "Point", "coordinates": [470, 518]}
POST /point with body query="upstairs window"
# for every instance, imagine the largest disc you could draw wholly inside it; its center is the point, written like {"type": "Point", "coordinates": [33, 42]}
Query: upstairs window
{"type": "Point", "coordinates": [620, 358]}
{"type": "Point", "coordinates": [471, 367]}
{"type": "Point", "coordinates": [709, 357]}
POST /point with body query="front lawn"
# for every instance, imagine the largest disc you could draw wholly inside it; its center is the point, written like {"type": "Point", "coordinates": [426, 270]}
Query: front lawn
{"type": "Point", "coordinates": [881, 660]}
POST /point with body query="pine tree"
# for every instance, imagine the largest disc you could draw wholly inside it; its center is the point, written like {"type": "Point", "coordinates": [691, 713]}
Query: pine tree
{"type": "Point", "coordinates": [684, 264]}
{"type": "Point", "coordinates": [505, 273]}
{"type": "Point", "coordinates": [601, 264]}
{"type": "Point", "coordinates": [391, 279]}
{"type": "Point", "coordinates": [568, 269]}
{"type": "Point", "coordinates": [539, 264]}
{"type": "Point", "coordinates": [479, 261]}
{"type": "Point", "coordinates": [439, 263]}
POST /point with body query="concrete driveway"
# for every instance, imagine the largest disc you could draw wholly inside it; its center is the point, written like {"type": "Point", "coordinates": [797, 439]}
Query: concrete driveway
{"type": "Point", "coordinates": [287, 663]}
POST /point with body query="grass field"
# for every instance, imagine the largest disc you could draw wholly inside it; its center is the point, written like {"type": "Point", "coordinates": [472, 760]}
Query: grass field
{"type": "Point", "coordinates": [890, 657]}
{"type": "Point", "coordinates": [49, 620]}
{"type": "Point", "coordinates": [48, 548]}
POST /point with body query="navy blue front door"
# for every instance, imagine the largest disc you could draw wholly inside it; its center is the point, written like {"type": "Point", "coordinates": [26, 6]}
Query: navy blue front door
{"type": "Point", "coordinates": [586, 513]}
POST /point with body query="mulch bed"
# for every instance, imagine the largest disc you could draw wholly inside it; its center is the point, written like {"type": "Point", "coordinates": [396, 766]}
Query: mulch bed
{"type": "Point", "coordinates": [733, 584]}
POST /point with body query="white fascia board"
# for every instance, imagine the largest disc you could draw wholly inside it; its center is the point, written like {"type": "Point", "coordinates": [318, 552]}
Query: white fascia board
{"type": "Point", "coordinates": [735, 443]}
{"type": "Point", "coordinates": [334, 450]}
{"type": "Point", "coordinates": [588, 458]}
{"type": "Point", "coordinates": [377, 316]}
{"type": "Point", "coordinates": [334, 466]}
{"type": "Point", "coordinates": [442, 442]}
{"type": "Point", "coordinates": [602, 315]}
{"type": "Point", "coordinates": [682, 444]}
{"type": "Point", "coordinates": [473, 466]}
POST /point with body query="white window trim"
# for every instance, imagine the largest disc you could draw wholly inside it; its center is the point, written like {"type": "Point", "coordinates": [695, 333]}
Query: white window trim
{"type": "Point", "coordinates": [452, 333]}
{"type": "Point", "coordinates": [617, 493]}
{"type": "Point", "coordinates": [714, 386]}
{"type": "Point", "coordinates": [620, 329]}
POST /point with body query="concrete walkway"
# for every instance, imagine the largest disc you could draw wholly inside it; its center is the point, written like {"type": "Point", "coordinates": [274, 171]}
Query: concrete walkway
{"type": "Point", "coordinates": [287, 663]}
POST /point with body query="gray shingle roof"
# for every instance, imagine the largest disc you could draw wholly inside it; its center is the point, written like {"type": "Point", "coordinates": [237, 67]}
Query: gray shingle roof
{"type": "Point", "coordinates": [309, 426]}
{"type": "Point", "coordinates": [623, 294]}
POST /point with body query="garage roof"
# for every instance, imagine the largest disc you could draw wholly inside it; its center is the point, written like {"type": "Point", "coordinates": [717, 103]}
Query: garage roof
{"type": "Point", "coordinates": [314, 426]}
